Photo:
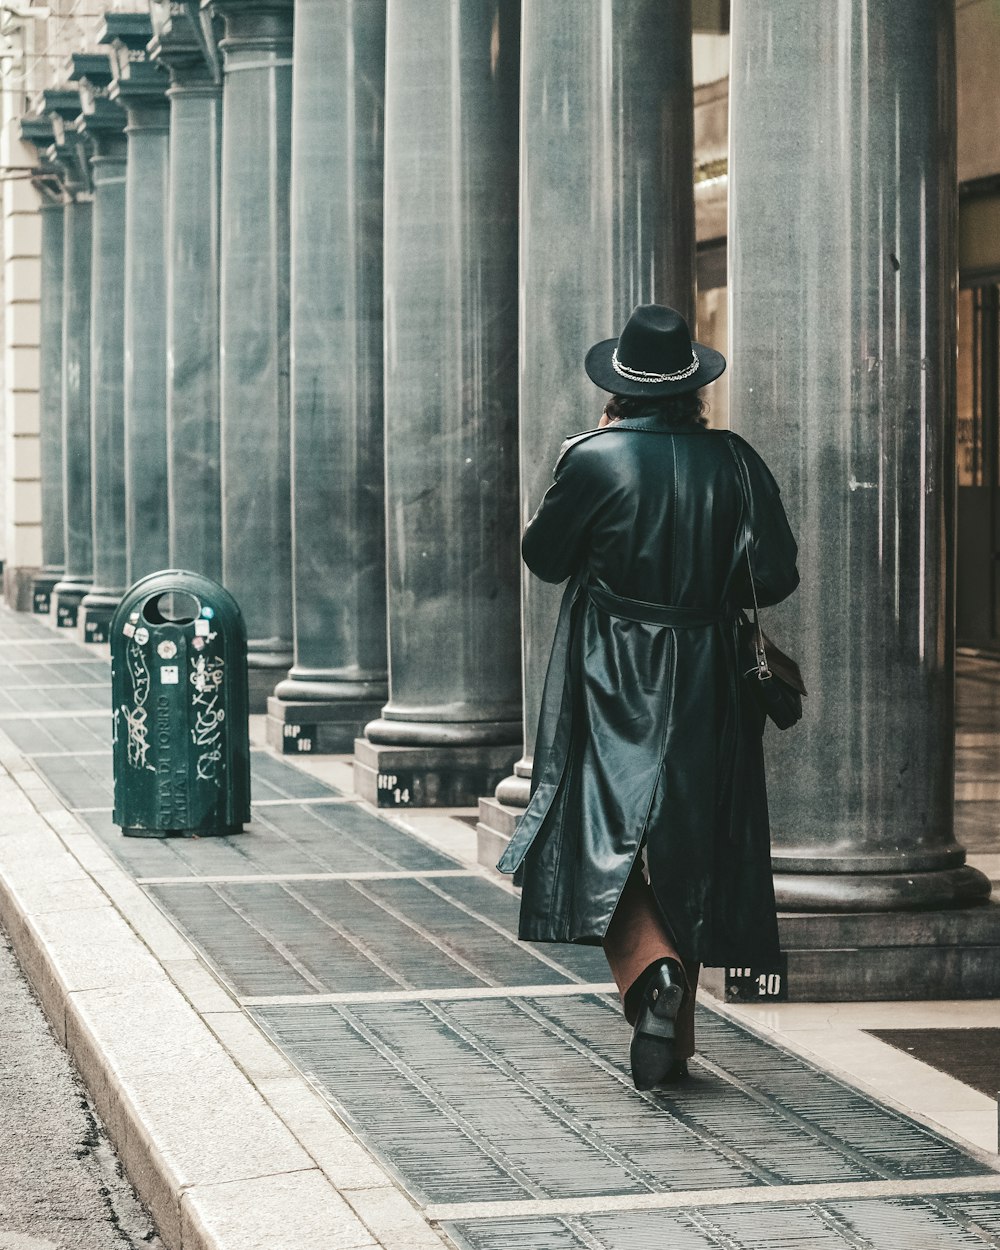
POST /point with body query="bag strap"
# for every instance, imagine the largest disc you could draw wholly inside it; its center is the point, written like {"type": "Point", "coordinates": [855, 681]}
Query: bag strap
{"type": "Point", "coordinates": [763, 669]}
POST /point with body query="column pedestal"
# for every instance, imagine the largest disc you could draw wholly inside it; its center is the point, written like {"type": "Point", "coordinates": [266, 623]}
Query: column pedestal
{"type": "Point", "coordinates": [884, 956]}
{"type": "Point", "coordinates": [64, 602]}
{"type": "Point", "coordinates": [498, 816]}
{"type": "Point", "coordinates": [318, 718]}
{"type": "Point", "coordinates": [392, 775]}
{"type": "Point", "coordinates": [497, 822]}
{"type": "Point", "coordinates": [93, 620]}
{"type": "Point", "coordinates": [42, 585]}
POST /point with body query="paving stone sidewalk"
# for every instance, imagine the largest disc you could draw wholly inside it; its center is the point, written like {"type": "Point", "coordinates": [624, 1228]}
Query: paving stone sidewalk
{"type": "Point", "coordinates": [488, 1078]}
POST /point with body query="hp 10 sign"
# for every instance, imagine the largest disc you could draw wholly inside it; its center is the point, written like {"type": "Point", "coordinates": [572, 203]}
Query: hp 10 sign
{"type": "Point", "coordinates": [758, 985]}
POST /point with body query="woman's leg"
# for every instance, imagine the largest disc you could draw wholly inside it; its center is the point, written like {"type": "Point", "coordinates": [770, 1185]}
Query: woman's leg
{"type": "Point", "coordinates": [638, 939]}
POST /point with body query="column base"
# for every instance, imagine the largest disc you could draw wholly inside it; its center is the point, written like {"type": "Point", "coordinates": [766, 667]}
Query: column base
{"type": "Point", "coordinates": [886, 956]}
{"type": "Point", "coordinates": [94, 617]}
{"type": "Point", "coordinates": [42, 585]}
{"type": "Point", "coordinates": [65, 602]}
{"type": "Point", "coordinates": [880, 892]}
{"type": "Point", "coordinates": [326, 727]}
{"type": "Point", "coordinates": [391, 775]}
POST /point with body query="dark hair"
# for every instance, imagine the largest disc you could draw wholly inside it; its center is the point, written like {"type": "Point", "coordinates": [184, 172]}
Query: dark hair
{"type": "Point", "coordinates": [676, 409]}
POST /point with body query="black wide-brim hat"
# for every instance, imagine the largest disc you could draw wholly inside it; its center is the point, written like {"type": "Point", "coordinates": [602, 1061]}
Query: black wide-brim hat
{"type": "Point", "coordinates": [653, 355]}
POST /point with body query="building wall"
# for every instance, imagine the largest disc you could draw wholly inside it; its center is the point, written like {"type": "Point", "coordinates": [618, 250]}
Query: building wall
{"type": "Point", "coordinates": [22, 536]}
{"type": "Point", "coordinates": [34, 56]}
{"type": "Point", "coordinates": [978, 47]}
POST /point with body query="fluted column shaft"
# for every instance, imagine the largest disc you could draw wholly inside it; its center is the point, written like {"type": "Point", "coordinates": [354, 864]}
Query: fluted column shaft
{"type": "Point", "coordinates": [78, 519]}
{"type": "Point", "coordinates": [339, 679]}
{"type": "Point", "coordinates": [450, 372]}
{"type": "Point", "coordinates": [256, 156]}
{"type": "Point", "coordinates": [195, 524]}
{"type": "Point", "coordinates": [50, 386]}
{"type": "Point", "coordinates": [107, 355]}
{"type": "Point", "coordinates": [843, 297]}
{"type": "Point", "coordinates": [148, 132]}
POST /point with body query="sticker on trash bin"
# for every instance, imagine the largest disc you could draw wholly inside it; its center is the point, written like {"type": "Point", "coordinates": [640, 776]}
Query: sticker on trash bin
{"type": "Point", "coordinates": [128, 630]}
{"type": "Point", "coordinates": [198, 644]}
{"type": "Point", "coordinates": [167, 649]}
{"type": "Point", "coordinates": [133, 617]}
{"type": "Point", "coordinates": [142, 635]}
{"type": "Point", "coordinates": [169, 675]}
{"type": "Point", "coordinates": [207, 612]}
{"type": "Point", "coordinates": [201, 628]}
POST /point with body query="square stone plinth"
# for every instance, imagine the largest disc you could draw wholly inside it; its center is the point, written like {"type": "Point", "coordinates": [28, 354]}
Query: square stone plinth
{"type": "Point", "coordinates": [297, 727]}
{"type": "Point", "coordinates": [882, 956]}
{"type": "Point", "coordinates": [439, 776]}
{"type": "Point", "coordinates": [495, 829]}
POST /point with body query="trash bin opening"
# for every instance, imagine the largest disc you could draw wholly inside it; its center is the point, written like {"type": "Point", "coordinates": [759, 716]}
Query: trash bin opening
{"type": "Point", "coordinates": [174, 607]}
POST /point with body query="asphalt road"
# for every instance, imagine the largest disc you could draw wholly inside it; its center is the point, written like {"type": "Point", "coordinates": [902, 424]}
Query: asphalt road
{"type": "Point", "coordinates": [61, 1185]}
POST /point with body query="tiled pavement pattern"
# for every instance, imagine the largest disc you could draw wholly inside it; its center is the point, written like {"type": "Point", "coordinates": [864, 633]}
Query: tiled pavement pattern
{"type": "Point", "coordinates": [491, 1077]}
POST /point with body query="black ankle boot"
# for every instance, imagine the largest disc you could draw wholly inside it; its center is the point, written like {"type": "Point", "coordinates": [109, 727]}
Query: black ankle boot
{"type": "Point", "coordinates": [654, 1036]}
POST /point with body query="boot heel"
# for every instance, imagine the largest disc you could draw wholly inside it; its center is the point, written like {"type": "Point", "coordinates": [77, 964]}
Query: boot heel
{"type": "Point", "coordinates": [652, 1053]}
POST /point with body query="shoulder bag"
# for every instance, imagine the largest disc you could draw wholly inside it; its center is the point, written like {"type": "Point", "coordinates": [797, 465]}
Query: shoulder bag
{"type": "Point", "coordinates": [773, 678]}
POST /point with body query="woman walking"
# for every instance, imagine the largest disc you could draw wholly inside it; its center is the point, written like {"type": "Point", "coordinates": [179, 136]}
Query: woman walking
{"type": "Point", "coordinates": [647, 829]}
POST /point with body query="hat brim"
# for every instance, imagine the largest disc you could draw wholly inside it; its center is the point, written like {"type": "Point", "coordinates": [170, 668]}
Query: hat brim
{"type": "Point", "coordinates": [601, 371]}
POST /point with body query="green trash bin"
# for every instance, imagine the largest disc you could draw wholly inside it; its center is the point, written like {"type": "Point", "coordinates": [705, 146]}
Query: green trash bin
{"type": "Point", "coordinates": [181, 740]}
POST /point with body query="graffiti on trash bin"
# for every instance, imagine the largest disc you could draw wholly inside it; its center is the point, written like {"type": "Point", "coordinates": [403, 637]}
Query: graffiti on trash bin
{"type": "Point", "coordinates": [136, 717]}
{"type": "Point", "coordinates": [207, 674]}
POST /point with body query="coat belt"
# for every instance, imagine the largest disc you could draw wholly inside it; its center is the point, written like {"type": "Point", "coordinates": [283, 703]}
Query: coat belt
{"type": "Point", "coordinates": [673, 617]}
{"type": "Point", "coordinates": [557, 697]}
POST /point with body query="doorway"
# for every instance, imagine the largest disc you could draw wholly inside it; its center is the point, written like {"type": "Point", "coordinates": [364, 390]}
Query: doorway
{"type": "Point", "coordinates": [978, 435]}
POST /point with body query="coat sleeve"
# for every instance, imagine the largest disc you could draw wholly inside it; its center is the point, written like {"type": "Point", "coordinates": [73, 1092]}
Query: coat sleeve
{"type": "Point", "coordinates": [554, 544]}
{"type": "Point", "coordinates": [773, 548]}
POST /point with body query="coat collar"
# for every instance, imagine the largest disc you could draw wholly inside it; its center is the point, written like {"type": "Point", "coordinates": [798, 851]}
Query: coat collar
{"type": "Point", "coordinates": [655, 424]}
{"type": "Point", "coordinates": [648, 425]}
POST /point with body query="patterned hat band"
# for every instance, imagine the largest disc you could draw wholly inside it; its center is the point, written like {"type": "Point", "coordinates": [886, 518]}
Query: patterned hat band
{"type": "Point", "coordinates": [637, 375]}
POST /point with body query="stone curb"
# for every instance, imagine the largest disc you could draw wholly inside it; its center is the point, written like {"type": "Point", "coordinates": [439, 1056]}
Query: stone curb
{"type": "Point", "coordinates": [226, 1143]}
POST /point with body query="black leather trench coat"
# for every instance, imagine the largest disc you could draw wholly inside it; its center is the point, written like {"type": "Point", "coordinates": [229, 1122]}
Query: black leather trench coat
{"type": "Point", "coordinates": [646, 736]}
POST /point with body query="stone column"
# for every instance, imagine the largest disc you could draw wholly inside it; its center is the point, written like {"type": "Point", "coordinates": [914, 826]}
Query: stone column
{"type": "Point", "coordinates": [69, 154]}
{"type": "Point", "coordinates": [52, 213]}
{"type": "Point", "coordinates": [195, 94]}
{"type": "Point", "coordinates": [843, 297]}
{"type": "Point", "coordinates": [452, 722]}
{"type": "Point", "coordinates": [140, 88]}
{"type": "Point", "coordinates": [256, 159]}
{"type": "Point", "coordinates": [38, 131]}
{"type": "Point", "coordinates": [607, 222]}
{"type": "Point", "coordinates": [103, 124]}
{"type": "Point", "coordinates": [338, 682]}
